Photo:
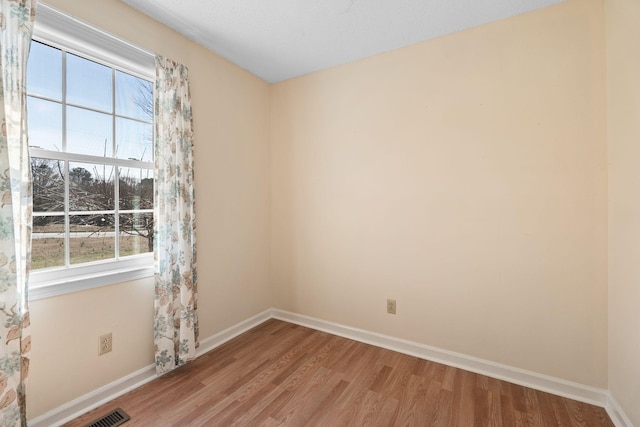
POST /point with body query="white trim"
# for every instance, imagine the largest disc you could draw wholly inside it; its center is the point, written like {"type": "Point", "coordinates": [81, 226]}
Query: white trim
{"type": "Point", "coordinates": [59, 29]}
{"type": "Point", "coordinates": [616, 413]}
{"type": "Point", "coordinates": [557, 386]}
{"type": "Point", "coordinates": [71, 410]}
{"type": "Point", "coordinates": [87, 158]}
{"type": "Point", "coordinates": [75, 408]}
{"type": "Point", "coordinates": [89, 281]}
{"type": "Point", "coordinates": [47, 283]}
{"type": "Point", "coordinates": [534, 380]}
{"type": "Point", "coordinates": [231, 332]}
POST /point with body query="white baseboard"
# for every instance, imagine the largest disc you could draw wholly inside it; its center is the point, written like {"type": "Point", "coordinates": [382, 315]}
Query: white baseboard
{"type": "Point", "coordinates": [557, 386]}
{"type": "Point", "coordinates": [616, 413]}
{"type": "Point", "coordinates": [560, 387]}
{"type": "Point", "coordinates": [92, 400]}
{"type": "Point", "coordinates": [231, 332]}
{"type": "Point", "coordinates": [79, 406]}
{"type": "Point", "coordinates": [534, 380]}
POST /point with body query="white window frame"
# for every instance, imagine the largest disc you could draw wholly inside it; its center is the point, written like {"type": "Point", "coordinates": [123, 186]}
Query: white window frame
{"type": "Point", "coordinates": [65, 32]}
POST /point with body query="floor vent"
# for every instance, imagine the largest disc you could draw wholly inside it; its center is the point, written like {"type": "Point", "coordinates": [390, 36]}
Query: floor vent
{"type": "Point", "coordinates": [112, 419]}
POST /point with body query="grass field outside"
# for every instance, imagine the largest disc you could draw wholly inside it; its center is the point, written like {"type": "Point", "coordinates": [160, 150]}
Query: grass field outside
{"type": "Point", "coordinates": [49, 252]}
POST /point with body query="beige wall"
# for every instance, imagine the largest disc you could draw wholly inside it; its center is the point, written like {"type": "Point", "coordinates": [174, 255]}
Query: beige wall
{"type": "Point", "coordinates": [623, 55]}
{"type": "Point", "coordinates": [65, 363]}
{"type": "Point", "coordinates": [466, 178]}
{"type": "Point", "coordinates": [231, 124]}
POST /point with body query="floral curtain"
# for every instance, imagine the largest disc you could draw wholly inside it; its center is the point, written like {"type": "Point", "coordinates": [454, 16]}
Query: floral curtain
{"type": "Point", "coordinates": [176, 322]}
{"type": "Point", "coordinates": [16, 26]}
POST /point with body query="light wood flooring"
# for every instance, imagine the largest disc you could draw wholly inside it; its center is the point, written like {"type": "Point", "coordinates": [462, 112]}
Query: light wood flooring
{"type": "Point", "coordinates": [280, 374]}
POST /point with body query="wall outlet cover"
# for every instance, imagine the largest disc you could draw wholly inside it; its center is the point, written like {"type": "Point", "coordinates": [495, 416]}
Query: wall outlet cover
{"type": "Point", "coordinates": [105, 344]}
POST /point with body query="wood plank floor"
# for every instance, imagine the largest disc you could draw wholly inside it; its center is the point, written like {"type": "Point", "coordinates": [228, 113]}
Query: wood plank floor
{"type": "Point", "coordinates": [280, 374]}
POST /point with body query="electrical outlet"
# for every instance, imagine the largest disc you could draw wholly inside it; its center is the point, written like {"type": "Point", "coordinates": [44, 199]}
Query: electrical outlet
{"type": "Point", "coordinates": [105, 344]}
{"type": "Point", "coordinates": [391, 306]}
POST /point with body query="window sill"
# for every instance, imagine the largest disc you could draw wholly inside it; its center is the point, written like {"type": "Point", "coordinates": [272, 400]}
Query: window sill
{"type": "Point", "coordinates": [39, 288]}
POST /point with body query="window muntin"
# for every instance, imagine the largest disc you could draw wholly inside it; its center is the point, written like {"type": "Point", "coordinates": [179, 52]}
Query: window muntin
{"type": "Point", "coordinates": [91, 133]}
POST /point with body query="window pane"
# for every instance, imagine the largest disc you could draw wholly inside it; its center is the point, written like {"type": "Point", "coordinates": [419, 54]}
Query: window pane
{"type": "Point", "coordinates": [44, 71]}
{"type": "Point", "coordinates": [136, 233]}
{"type": "Point", "coordinates": [88, 84]}
{"type": "Point", "coordinates": [91, 187]}
{"type": "Point", "coordinates": [45, 124]}
{"type": "Point", "coordinates": [134, 97]}
{"type": "Point", "coordinates": [89, 132]}
{"type": "Point", "coordinates": [134, 140]}
{"type": "Point", "coordinates": [79, 108]}
{"type": "Point", "coordinates": [48, 185]}
{"type": "Point", "coordinates": [91, 238]}
{"type": "Point", "coordinates": [136, 188]}
{"type": "Point", "coordinates": [47, 244]}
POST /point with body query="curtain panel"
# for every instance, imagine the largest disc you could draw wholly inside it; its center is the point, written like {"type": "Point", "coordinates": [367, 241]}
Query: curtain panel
{"type": "Point", "coordinates": [16, 27]}
{"type": "Point", "coordinates": [176, 322]}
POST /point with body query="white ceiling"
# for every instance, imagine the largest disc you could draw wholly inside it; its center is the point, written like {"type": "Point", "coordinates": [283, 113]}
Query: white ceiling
{"type": "Point", "coordinates": [280, 39]}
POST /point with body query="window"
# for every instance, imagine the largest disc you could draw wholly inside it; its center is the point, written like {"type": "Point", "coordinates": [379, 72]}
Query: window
{"type": "Point", "coordinates": [91, 145]}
